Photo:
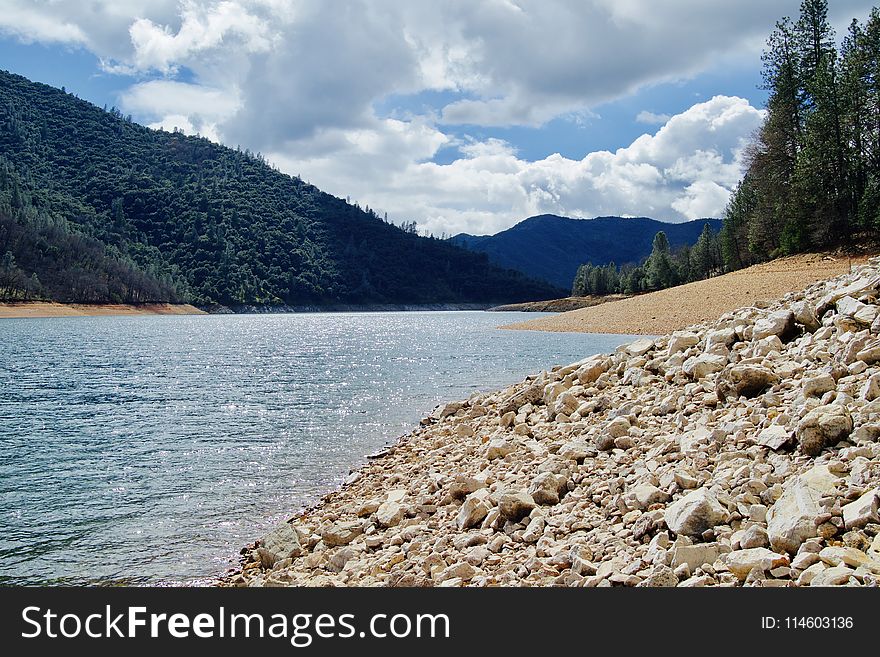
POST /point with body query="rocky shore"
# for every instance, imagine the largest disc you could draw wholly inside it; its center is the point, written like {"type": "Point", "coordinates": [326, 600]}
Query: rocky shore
{"type": "Point", "coordinates": [738, 452]}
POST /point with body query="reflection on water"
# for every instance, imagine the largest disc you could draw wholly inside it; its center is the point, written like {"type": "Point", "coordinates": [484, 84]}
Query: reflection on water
{"type": "Point", "coordinates": [150, 449]}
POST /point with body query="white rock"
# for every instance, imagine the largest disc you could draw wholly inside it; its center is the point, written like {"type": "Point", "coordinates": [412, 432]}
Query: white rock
{"type": "Point", "coordinates": [862, 313]}
{"type": "Point", "coordinates": [515, 505]}
{"type": "Point", "coordinates": [703, 365]}
{"type": "Point", "coordinates": [836, 555]}
{"type": "Point", "coordinates": [863, 510]}
{"type": "Point", "coordinates": [341, 533]}
{"type": "Point", "coordinates": [638, 347]}
{"type": "Point", "coordinates": [805, 314]}
{"type": "Point", "coordinates": [282, 542]}
{"type": "Point", "coordinates": [475, 507]}
{"type": "Point", "coordinates": [742, 562]}
{"type": "Point", "coordinates": [681, 341]}
{"type": "Point", "coordinates": [746, 380]}
{"type": "Point", "coordinates": [754, 537]}
{"type": "Point", "coordinates": [836, 576]}
{"type": "Point", "coordinates": [823, 427]}
{"type": "Point", "coordinates": [644, 495]}
{"type": "Point", "coordinates": [774, 436]}
{"type": "Point", "coordinates": [534, 530]}
{"type": "Point", "coordinates": [696, 512]}
{"type": "Point", "coordinates": [855, 289]}
{"type": "Point", "coordinates": [871, 389]}
{"type": "Point", "coordinates": [816, 386]}
{"type": "Point", "coordinates": [790, 521]}
{"type": "Point", "coordinates": [592, 368]}
{"type": "Point", "coordinates": [498, 448]}
{"type": "Point", "coordinates": [725, 337]}
{"type": "Point", "coordinates": [871, 353]}
{"type": "Point", "coordinates": [389, 514]}
{"type": "Point", "coordinates": [547, 488]}
{"type": "Point", "coordinates": [697, 555]}
{"type": "Point", "coordinates": [779, 323]}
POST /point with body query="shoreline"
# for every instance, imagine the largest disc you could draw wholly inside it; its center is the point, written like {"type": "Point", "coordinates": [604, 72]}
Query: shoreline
{"type": "Point", "coordinates": [681, 460]}
{"type": "Point", "coordinates": [50, 309]}
{"type": "Point", "coordinates": [676, 308]}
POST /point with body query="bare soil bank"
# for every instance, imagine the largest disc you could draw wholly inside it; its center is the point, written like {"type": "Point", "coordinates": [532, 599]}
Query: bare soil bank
{"type": "Point", "coordinates": [53, 309]}
{"type": "Point", "coordinates": [676, 308]}
{"type": "Point", "coordinates": [559, 305]}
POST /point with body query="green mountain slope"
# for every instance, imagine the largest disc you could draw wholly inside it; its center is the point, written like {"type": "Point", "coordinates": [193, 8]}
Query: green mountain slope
{"type": "Point", "coordinates": [94, 207]}
{"type": "Point", "coordinates": [552, 248]}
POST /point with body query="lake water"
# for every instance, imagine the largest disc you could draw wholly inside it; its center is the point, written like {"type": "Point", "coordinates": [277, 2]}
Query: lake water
{"type": "Point", "coordinates": [146, 450]}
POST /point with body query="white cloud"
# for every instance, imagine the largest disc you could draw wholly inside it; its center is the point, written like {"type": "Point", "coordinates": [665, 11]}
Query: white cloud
{"type": "Point", "coordinates": [651, 118]}
{"type": "Point", "coordinates": [203, 28]}
{"type": "Point", "coordinates": [170, 105]}
{"type": "Point", "coordinates": [301, 80]}
{"type": "Point", "coordinates": [686, 170]}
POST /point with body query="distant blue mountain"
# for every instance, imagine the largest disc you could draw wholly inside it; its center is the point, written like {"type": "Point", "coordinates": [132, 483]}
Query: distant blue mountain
{"type": "Point", "coordinates": [551, 248]}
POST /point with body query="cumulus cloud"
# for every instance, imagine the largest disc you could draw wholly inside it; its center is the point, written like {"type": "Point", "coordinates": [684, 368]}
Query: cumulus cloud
{"type": "Point", "coordinates": [651, 118]}
{"type": "Point", "coordinates": [170, 105]}
{"type": "Point", "coordinates": [301, 81]}
{"type": "Point", "coordinates": [685, 170]}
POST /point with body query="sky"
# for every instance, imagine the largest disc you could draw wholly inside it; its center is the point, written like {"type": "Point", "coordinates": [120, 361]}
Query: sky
{"type": "Point", "coordinates": [464, 116]}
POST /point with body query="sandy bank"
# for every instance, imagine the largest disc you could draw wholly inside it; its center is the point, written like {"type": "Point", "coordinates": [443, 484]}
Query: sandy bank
{"type": "Point", "coordinates": [679, 307]}
{"type": "Point", "coordinates": [52, 309]}
{"type": "Point", "coordinates": [563, 305]}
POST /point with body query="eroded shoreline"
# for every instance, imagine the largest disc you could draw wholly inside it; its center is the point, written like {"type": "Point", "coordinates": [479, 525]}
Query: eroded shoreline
{"type": "Point", "coordinates": [46, 309]}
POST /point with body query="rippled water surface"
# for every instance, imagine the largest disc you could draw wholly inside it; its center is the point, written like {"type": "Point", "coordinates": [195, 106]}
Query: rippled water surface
{"type": "Point", "coordinates": [151, 449]}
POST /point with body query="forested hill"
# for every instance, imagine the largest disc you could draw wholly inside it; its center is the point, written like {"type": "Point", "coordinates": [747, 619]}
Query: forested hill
{"type": "Point", "coordinates": [96, 208]}
{"type": "Point", "coordinates": [552, 248]}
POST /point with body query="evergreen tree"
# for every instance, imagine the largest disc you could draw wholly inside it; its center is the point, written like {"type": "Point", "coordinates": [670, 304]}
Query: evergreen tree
{"type": "Point", "coordinates": [659, 269]}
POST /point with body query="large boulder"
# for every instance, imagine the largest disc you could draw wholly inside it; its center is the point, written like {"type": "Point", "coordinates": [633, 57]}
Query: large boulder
{"type": "Point", "coordinates": [742, 562]}
{"type": "Point", "coordinates": [745, 381]}
{"type": "Point", "coordinates": [805, 315]}
{"type": "Point", "coordinates": [515, 505]}
{"type": "Point", "coordinates": [531, 394]}
{"type": "Point", "coordinates": [696, 512]}
{"type": "Point", "coordinates": [548, 488]}
{"type": "Point", "coordinates": [780, 323]}
{"type": "Point", "coordinates": [475, 507]}
{"type": "Point", "coordinates": [341, 533]}
{"type": "Point", "coordinates": [791, 519]}
{"type": "Point", "coordinates": [282, 543]}
{"type": "Point", "coordinates": [863, 510]}
{"type": "Point", "coordinates": [703, 365]}
{"type": "Point", "coordinates": [823, 427]}
{"type": "Point", "coordinates": [681, 341]}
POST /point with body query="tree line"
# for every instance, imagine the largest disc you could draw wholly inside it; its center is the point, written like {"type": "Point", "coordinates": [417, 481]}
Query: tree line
{"type": "Point", "coordinates": [663, 268]}
{"type": "Point", "coordinates": [812, 171]}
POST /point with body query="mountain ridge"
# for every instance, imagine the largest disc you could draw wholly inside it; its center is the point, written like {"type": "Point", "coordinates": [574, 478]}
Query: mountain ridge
{"type": "Point", "coordinates": [551, 247]}
{"type": "Point", "coordinates": [95, 208]}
